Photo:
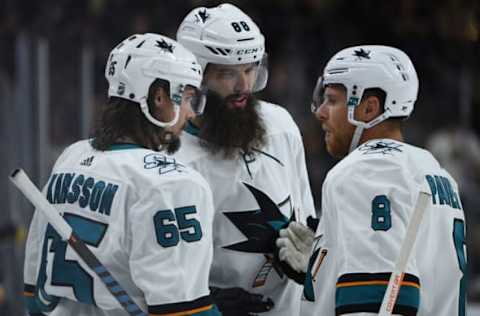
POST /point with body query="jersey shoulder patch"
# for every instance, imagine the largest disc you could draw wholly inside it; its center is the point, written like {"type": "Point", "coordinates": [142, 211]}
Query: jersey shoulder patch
{"type": "Point", "coordinates": [381, 147]}
{"type": "Point", "coordinates": [163, 163]}
{"type": "Point", "coordinates": [376, 158]}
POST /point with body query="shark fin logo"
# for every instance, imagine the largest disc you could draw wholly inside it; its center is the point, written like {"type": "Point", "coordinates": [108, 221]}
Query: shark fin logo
{"type": "Point", "coordinates": [164, 46]}
{"type": "Point", "coordinates": [362, 53]}
{"type": "Point", "coordinates": [380, 147]}
{"type": "Point", "coordinates": [259, 226]}
{"type": "Point", "coordinates": [202, 16]}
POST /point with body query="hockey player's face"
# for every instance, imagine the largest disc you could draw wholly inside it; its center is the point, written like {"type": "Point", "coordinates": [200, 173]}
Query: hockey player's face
{"type": "Point", "coordinates": [332, 113]}
{"type": "Point", "coordinates": [232, 82]}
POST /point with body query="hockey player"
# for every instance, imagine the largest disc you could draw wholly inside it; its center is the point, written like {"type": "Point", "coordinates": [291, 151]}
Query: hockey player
{"type": "Point", "coordinates": [251, 153]}
{"type": "Point", "coordinates": [148, 218]}
{"type": "Point", "coordinates": [368, 198]}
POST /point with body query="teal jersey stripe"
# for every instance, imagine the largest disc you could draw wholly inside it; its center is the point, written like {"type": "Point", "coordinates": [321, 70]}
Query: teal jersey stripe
{"type": "Point", "coordinates": [373, 294]}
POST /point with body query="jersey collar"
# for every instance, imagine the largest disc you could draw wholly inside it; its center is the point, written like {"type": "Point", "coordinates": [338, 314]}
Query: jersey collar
{"type": "Point", "coordinates": [191, 129]}
{"type": "Point", "coordinates": [124, 146]}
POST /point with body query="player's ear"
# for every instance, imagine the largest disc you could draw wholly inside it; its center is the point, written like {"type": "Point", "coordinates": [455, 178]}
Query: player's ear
{"type": "Point", "coordinates": [160, 98]}
{"type": "Point", "coordinates": [370, 108]}
{"type": "Point", "coordinates": [161, 106]}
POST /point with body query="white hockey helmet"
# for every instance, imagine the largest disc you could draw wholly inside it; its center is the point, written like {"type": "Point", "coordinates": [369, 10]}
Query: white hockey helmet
{"type": "Point", "coordinates": [135, 63]}
{"type": "Point", "coordinates": [225, 35]}
{"type": "Point", "coordinates": [371, 66]}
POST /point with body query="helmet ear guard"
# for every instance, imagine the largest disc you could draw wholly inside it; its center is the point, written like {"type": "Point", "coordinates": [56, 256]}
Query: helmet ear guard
{"type": "Point", "coordinates": [225, 35]}
{"type": "Point", "coordinates": [135, 63]}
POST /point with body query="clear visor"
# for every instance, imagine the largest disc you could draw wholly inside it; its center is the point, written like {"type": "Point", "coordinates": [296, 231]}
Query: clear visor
{"type": "Point", "coordinates": [262, 74]}
{"type": "Point", "coordinates": [318, 95]}
{"type": "Point", "coordinates": [198, 99]}
{"type": "Point", "coordinates": [191, 96]}
{"type": "Point", "coordinates": [251, 77]}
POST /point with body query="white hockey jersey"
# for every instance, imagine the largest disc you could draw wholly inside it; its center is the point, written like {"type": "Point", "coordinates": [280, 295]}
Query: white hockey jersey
{"type": "Point", "coordinates": [368, 199]}
{"type": "Point", "coordinates": [242, 238]}
{"type": "Point", "coordinates": [146, 217]}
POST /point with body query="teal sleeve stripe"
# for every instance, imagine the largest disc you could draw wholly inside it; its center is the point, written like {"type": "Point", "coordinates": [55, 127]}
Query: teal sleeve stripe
{"type": "Point", "coordinates": [31, 305]}
{"type": "Point", "coordinates": [373, 294]}
{"type": "Point", "coordinates": [34, 305]}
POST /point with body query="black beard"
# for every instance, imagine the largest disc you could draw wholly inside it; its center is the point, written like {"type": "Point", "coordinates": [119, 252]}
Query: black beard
{"type": "Point", "coordinates": [227, 129]}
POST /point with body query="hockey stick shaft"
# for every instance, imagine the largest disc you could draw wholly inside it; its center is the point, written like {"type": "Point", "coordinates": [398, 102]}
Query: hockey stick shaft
{"type": "Point", "coordinates": [33, 194]}
{"type": "Point", "coordinates": [395, 282]}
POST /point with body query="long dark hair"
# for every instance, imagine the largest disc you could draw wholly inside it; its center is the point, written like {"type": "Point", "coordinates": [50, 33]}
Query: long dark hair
{"type": "Point", "coordinates": [121, 118]}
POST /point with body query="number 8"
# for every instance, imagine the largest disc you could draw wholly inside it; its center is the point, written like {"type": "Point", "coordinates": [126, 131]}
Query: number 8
{"type": "Point", "coordinates": [236, 27]}
{"type": "Point", "coordinates": [245, 25]}
{"type": "Point", "coordinates": [381, 218]}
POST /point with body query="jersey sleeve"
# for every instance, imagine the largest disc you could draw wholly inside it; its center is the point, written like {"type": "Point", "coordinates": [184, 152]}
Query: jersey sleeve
{"type": "Point", "coordinates": [171, 247]}
{"type": "Point", "coordinates": [370, 203]}
{"type": "Point", "coordinates": [34, 241]}
{"type": "Point", "coordinates": [31, 265]}
{"type": "Point", "coordinates": [33, 254]}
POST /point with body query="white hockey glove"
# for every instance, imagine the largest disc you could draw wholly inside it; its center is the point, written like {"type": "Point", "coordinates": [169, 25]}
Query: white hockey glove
{"type": "Point", "coordinates": [295, 246]}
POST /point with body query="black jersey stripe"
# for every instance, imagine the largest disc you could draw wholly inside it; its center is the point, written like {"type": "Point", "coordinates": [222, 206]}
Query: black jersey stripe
{"type": "Point", "coordinates": [181, 306]}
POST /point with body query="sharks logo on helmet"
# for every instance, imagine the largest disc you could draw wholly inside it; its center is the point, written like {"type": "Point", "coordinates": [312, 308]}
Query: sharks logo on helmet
{"type": "Point", "coordinates": [202, 16]}
{"type": "Point", "coordinates": [361, 53]}
{"type": "Point", "coordinates": [165, 46]}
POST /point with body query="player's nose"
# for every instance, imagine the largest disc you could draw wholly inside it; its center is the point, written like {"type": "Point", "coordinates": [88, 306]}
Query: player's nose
{"type": "Point", "coordinates": [242, 84]}
{"type": "Point", "coordinates": [322, 112]}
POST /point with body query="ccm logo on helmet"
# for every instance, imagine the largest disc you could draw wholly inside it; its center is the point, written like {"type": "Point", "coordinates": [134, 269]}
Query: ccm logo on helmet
{"type": "Point", "coordinates": [248, 51]}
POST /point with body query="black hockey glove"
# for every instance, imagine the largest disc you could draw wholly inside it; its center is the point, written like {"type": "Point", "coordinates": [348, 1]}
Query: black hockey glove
{"type": "Point", "coordinates": [238, 302]}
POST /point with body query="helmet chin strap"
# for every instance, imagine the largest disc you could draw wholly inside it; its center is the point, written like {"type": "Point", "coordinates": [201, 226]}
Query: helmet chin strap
{"type": "Point", "coordinates": [356, 138]}
{"type": "Point", "coordinates": [154, 121]}
{"type": "Point", "coordinates": [361, 126]}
